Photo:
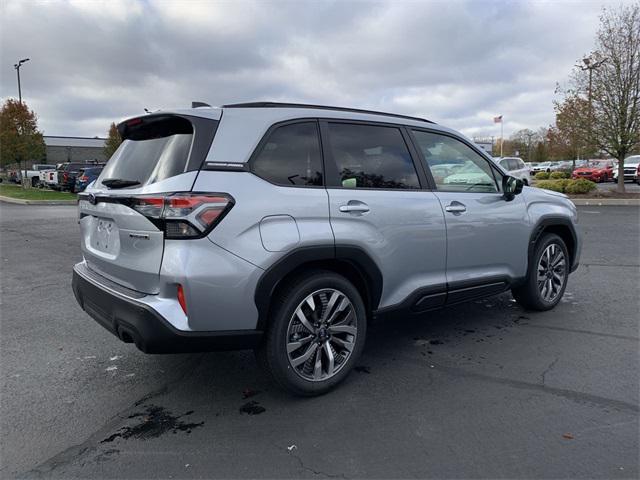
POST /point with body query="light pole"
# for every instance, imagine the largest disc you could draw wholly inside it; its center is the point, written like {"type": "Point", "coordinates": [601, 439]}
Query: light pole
{"type": "Point", "coordinates": [17, 67]}
{"type": "Point", "coordinates": [590, 66]}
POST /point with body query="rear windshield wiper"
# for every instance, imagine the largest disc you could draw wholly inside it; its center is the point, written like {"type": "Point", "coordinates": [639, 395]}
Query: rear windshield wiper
{"type": "Point", "coordinates": [119, 183]}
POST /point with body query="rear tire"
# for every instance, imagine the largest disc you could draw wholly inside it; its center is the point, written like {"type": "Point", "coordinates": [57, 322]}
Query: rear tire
{"type": "Point", "coordinates": [316, 333]}
{"type": "Point", "coordinates": [547, 276]}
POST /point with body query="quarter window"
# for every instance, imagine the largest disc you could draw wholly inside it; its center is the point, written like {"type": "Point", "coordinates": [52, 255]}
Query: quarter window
{"type": "Point", "coordinates": [291, 156]}
{"type": "Point", "coordinates": [455, 166]}
{"type": "Point", "coordinates": [371, 156]}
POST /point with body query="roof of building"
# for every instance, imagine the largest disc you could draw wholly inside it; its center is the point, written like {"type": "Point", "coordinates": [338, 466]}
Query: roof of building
{"type": "Point", "coordinates": [58, 141]}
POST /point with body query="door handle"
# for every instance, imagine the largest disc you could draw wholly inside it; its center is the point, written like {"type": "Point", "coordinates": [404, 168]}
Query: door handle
{"type": "Point", "coordinates": [354, 207]}
{"type": "Point", "coordinates": [455, 207]}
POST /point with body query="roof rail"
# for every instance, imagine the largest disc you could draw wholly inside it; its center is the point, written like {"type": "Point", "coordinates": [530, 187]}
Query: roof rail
{"type": "Point", "coordinates": [320, 107]}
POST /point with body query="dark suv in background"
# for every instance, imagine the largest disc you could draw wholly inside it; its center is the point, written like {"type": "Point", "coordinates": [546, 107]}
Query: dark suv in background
{"type": "Point", "coordinates": [68, 172]}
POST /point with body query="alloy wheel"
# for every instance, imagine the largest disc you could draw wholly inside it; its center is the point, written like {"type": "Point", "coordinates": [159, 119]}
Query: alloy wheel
{"type": "Point", "coordinates": [321, 334]}
{"type": "Point", "coordinates": [552, 268]}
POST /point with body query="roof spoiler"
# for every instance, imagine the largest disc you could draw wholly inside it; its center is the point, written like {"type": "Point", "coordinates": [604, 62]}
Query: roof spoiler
{"type": "Point", "coordinates": [199, 104]}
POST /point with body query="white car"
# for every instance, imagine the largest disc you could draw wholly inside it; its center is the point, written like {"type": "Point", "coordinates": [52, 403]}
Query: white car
{"type": "Point", "coordinates": [547, 167]}
{"type": "Point", "coordinates": [631, 169]}
{"type": "Point", "coordinates": [516, 168]}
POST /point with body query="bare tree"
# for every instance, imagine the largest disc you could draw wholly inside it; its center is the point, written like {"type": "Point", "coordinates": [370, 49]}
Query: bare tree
{"type": "Point", "coordinates": [615, 84]}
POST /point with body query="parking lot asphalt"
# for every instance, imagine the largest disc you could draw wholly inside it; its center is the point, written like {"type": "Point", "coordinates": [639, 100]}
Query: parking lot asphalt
{"type": "Point", "coordinates": [628, 186]}
{"type": "Point", "coordinates": [473, 391]}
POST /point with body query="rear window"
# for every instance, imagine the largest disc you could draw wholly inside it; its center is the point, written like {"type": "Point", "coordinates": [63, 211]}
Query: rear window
{"type": "Point", "coordinates": [153, 149]}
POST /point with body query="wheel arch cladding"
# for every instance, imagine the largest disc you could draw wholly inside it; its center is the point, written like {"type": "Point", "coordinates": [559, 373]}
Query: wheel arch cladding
{"type": "Point", "coordinates": [560, 226]}
{"type": "Point", "coordinates": [349, 261]}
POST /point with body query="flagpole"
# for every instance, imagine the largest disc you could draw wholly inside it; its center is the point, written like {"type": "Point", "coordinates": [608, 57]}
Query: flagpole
{"type": "Point", "coordinates": [501, 134]}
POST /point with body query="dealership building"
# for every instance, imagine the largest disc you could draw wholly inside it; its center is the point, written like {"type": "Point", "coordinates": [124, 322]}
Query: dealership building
{"type": "Point", "coordinates": [74, 149]}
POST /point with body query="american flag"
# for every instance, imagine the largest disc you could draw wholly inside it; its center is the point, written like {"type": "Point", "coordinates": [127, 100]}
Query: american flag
{"type": "Point", "coordinates": [497, 119]}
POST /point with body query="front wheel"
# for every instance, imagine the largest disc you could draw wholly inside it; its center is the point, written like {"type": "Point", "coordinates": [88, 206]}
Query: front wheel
{"type": "Point", "coordinates": [316, 333]}
{"type": "Point", "coordinates": [547, 276]}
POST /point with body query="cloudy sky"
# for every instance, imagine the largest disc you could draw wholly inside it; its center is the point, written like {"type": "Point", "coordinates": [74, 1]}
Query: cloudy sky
{"type": "Point", "coordinates": [458, 63]}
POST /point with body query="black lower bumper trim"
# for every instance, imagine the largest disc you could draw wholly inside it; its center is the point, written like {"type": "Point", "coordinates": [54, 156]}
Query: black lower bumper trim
{"type": "Point", "coordinates": [135, 322]}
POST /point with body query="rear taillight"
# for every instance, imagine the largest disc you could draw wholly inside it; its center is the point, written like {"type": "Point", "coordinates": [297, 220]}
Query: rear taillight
{"type": "Point", "coordinates": [184, 215]}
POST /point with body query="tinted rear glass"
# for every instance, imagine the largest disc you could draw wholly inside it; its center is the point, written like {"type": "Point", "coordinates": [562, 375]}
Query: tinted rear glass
{"type": "Point", "coordinates": [291, 156]}
{"type": "Point", "coordinates": [153, 150]}
{"type": "Point", "coordinates": [371, 156]}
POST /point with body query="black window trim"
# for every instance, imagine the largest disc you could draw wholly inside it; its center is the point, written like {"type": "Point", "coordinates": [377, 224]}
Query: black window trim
{"type": "Point", "coordinates": [331, 173]}
{"type": "Point", "coordinates": [497, 174]}
{"type": "Point", "coordinates": [265, 138]}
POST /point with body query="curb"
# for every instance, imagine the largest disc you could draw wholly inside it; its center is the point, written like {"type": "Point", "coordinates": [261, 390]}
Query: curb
{"type": "Point", "coordinates": [602, 202]}
{"type": "Point", "coordinates": [19, 201]}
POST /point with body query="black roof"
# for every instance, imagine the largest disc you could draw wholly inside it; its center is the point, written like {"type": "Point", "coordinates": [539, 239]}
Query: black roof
{"type": "Point", "coordinates": [320, 107]}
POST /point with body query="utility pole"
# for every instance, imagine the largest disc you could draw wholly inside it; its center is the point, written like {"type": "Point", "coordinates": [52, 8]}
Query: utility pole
{"type": "Point", "coordinates": [17, 67]}
{"type": "Point", "coordinates": [590, 65]}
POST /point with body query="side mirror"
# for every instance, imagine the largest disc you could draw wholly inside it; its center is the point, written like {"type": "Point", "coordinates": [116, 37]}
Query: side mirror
{"type": "Point", "coordinates": [511, 186]}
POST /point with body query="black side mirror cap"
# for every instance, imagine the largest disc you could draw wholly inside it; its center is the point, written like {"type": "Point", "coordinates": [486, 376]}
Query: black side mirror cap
{"type": "Point", "coordinates": [511, 186]}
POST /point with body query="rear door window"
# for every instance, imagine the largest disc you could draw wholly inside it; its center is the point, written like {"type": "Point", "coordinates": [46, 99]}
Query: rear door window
{"type": "Point", "coordinates": [291, 156]}
{"type": "Point", "coordinates": [371, 156]}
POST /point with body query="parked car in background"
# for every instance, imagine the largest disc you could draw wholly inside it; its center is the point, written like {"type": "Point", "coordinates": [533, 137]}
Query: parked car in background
{"type": "Point", "coordinates": [547, 167]}
{"type": "Point", "coordinates": [67, 174]}
{"type": "Point", "coordinates": [47, 176]}
{"type": "Point", "coordinates": [565, 166]}
{"type": "Point", "coordinates": [13, 176]}
{"type": "Point", "coordinates": [86, 176]}
{"type": "Point", "coordinates": [530, 166]}
{"type": "Point", "coordinates": [595, 170]}
{"type": "Point", "coordinates": [33, 174]}
{"type": "Point", "coordinates": [516, 167]}
{"type": "Point", "coordinates": [227, 228]}
{"type": "Point", "coordinates": [631, 169]}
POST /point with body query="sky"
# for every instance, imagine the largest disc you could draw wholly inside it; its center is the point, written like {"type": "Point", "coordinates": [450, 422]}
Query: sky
{"type": "Point", "coordinates": [458, 63]}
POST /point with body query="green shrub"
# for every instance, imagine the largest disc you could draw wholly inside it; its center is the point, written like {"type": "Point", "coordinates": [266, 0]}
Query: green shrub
{"type": "Point", "coordinates": [581, 185]}
{"type": "Point", "coordinates": [567, 186]}
{"type": "Point", "coordinates": [558, 175]}
{"type": "Point", "coordinates": [542, 175]}
{"type": "Point", "coordinates": [555, 185]}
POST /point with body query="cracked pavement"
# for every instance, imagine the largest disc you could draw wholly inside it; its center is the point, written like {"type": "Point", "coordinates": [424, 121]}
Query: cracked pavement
{"type": "Point", "coordinates": [474, 391]}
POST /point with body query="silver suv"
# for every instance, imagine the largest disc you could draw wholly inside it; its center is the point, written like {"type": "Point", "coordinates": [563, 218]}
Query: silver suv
{"type": "Point", "coordinates": [286, 228]}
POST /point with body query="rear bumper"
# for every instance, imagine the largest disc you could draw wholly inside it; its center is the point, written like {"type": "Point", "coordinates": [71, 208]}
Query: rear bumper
{"type": "Point", "coordinates": [134, 322]}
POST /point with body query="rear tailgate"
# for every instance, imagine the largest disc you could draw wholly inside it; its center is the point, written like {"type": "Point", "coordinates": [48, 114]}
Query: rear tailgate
{"type": "Point", "coordinates": [162, 154]}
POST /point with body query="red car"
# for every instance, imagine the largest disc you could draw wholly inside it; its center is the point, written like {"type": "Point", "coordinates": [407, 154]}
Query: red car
{"type": "Point", "coordinates": [595, 170]}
